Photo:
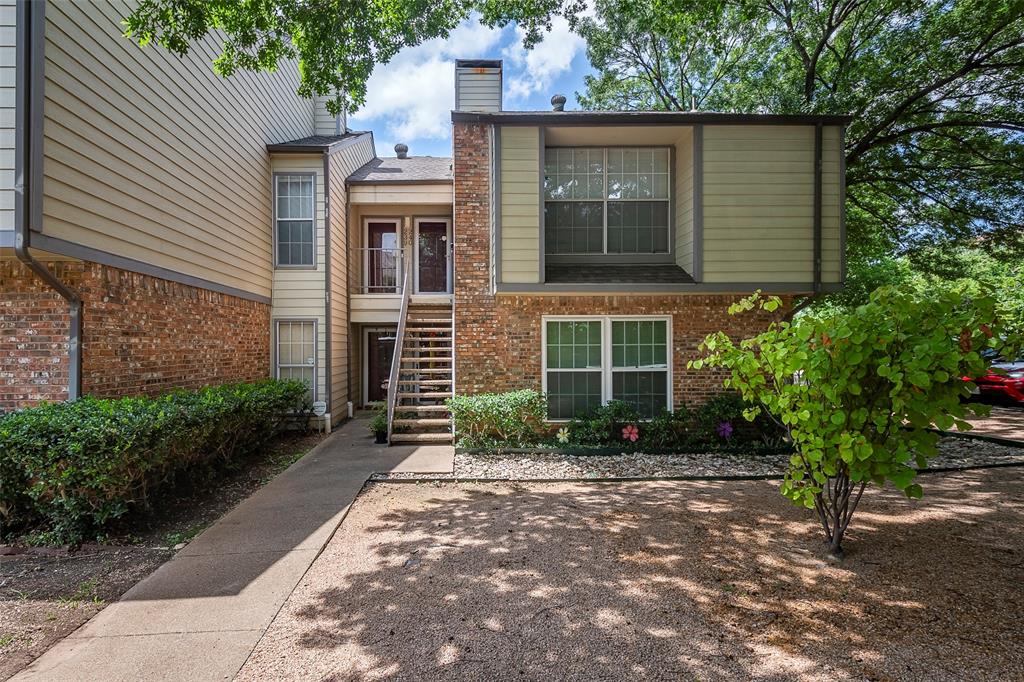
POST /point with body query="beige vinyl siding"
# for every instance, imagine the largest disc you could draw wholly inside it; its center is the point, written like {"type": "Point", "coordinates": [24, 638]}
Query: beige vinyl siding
{"type": "Point", "coordinates": [323, 122]}
{"type": "Point", "coordinates": [478, 89]}
{"type": "Point", "coordinates": [301, 293]}
{"type": "Point", "coordinates": [340, 166]}
{"type": "Point", "coordinates": [758, 203]}
{"type": "Point", "coordinates": [8, 100]}
{"type": "Point", "coordinates": [440, 193]}
{"type": "Point", "coordinates": [831, 207]}
{"type": "Point", "coordinates": [156, 158]}
{"type": "Point", "coordinates": [520, 204]}
{"type": "Point", "coordinates": [684, 201]}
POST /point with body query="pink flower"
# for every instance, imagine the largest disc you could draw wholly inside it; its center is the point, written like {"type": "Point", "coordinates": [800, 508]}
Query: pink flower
{"type": "Point", "coordinates": [630, 433]}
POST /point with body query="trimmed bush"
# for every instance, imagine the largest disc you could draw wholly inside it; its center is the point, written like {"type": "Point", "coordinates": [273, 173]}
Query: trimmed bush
{"type": "Point", "coordinates": [514, 419]}
{"type": "Point", "coordinates": [68, 469]}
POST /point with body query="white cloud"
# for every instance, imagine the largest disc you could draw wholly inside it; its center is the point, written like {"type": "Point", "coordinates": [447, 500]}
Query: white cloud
{"type": "Point", "coordinates": [539, 67]}
{"type": "Point", "coordinates": [413, 94]}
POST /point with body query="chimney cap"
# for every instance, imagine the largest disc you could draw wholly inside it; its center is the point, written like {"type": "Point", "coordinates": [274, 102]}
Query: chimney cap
{"type": "Point", "coordinates": [402, 151]}
{"type": "Point", "coordinates": [558, 103]}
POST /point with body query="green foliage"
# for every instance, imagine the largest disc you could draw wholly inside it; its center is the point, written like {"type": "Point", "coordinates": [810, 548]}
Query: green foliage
{"type": "Point", "coordinates": [337, 42]}
{"type": "Point", "coordinates": [379, 422]}
{"type": "Point", "coordinates": [858, 390]}
{"type": "Point", "coordinates": [68, 469]}
{"type": "Point", "coordinates": [727, 407]}
{"type": "Point", "coordinates": [935, 88]}
{"type": "Point", "coordinates": [603, 425]}
{"type": "Point", "coordinates": [514, 419]}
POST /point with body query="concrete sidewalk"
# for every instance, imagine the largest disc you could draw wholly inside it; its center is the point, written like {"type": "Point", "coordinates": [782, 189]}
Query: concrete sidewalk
{"type": "Point", "coordinates": [199, 615]}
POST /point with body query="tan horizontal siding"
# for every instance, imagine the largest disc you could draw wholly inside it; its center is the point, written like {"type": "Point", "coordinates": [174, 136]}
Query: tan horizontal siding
{"type": "Point", "coordinates": [758, 203]}
{"type": "Point", "coordinates": [8, 101]}
{"type": "Point", "coordinates": [831, 208]}
{"type": "Point", "coordinates": [157, 158]}
{"type": "Point", "coordinates": [520, 204]}
{"type": "Point", "coordinates": [401, 194]}
{"type": "Point", "coordinates": [684, 201]}
{"type": "Point", "coordinates": [300, 293]}
{"type": "Point", "coordinates": [478, 89]}
{"type": "Point", "coordinates": [340, 166]}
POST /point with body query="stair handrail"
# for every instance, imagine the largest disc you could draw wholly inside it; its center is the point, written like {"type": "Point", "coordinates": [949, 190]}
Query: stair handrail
{"type": "Point", "coordinates": [396, 360]}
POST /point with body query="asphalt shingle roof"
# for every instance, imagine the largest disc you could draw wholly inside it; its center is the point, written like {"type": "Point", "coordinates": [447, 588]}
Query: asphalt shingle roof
{"type": "Point", "coordinates": [409, 170]}
{"type": "Point", "coordinates": [587, 273]}
{"type": "Point", "coordinates": [315, 143]}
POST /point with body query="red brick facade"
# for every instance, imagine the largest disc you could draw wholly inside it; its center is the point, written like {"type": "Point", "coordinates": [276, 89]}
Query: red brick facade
{"type": "Point", "coordinates": [498, 338]}
{"type": "Point", "coordinates": [141, 335]}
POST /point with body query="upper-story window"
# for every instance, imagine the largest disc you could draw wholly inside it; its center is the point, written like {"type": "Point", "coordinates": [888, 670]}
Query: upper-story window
{"type": "Point", "coordinates": [294, 218]}
{"type": "Point", "coordinates": [606, 200]}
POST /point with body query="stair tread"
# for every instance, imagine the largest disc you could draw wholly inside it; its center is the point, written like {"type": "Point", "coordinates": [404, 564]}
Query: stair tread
{"type": "Point", "coordinates": [421, 437]}
{"type": "Point", "coordinates": [422, 408]}
{"type": "Point", "coordinates": [423, 421]}
{"type": "Point", "coordinates": [431, 382]}
{"type": "Point", "coordinates": [428, 329]}
{"type": "Point", "coordinates": [426, 370]}
{"type": "Point", "coordinates": [429, 320]}
{"type": "Point", "coordinates": [417, 359]}
{"type": "Point", "coordinates": [425, 394]}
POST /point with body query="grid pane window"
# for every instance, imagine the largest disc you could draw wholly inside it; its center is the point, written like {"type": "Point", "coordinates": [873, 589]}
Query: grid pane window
{"type": "Point", "coordinates": [611, 200]}
{"type": "Point", "coordinates": [580, 375]}
{"type": "Point", "coordinates": [295, 221]}
{"type": "Point", "coordinates": [296, 352]}
{"type": "Point", "coordinates": [573, 367]}
{"type": "Point", "coordinates": [640, 364]}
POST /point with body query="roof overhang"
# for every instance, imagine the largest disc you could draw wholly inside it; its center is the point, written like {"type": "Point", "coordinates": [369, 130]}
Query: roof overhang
{"type": "Point", "coordinates": [304, 147]}
{"type": "Point", "coordinates": [646, 118]}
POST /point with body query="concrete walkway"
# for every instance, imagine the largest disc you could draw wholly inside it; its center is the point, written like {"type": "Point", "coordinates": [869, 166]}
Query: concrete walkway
{"type": "Point", "coordinates": [199, 615]}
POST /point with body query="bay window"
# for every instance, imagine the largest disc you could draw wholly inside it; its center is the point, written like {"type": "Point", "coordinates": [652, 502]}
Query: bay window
{"type": "Point", "coordinates": [606, 200]}
{"type": "Point", "coordinates": [588, 361]}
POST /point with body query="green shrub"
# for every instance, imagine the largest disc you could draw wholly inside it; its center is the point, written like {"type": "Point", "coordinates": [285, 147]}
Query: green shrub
{"type": "Point", "coordinates": [67, 469]}
{"type": "Point", "coordinates": [603, 425]}
{"type": "Point", "coordinates": [379, 421]}
{"type": "Point", "coordinates": [514, 419]}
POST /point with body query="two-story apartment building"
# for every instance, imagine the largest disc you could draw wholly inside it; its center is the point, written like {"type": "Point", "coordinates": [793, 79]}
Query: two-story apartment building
{"type": "Point", "coordinates": [161, 227]}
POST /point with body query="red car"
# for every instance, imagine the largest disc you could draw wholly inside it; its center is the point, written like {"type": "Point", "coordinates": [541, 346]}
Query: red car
{"type": "Point", "coordinates": [1006, 386]}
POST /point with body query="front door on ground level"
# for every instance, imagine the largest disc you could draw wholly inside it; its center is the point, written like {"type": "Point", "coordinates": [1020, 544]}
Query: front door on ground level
{"type": "Point", "coordinates": [432, 256]}
{"type": "Point", "coordinates": [380, 349]}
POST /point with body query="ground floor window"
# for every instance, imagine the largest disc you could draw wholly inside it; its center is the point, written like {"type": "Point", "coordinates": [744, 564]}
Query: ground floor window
{"type": "Point", "coordinates": [296, 352]}
{"type": "Point", "coordinates": [591, 360]}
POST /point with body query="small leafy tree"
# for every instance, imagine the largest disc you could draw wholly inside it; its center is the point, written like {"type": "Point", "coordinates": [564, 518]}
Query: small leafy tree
{"type": "Point", "coordinates": [857, 391]}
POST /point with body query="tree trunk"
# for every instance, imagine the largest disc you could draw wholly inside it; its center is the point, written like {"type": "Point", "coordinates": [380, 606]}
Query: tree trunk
{"type": "Point", "coordinates": [835, 505]}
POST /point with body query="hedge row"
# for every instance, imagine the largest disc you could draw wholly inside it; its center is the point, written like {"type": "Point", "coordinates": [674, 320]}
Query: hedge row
{"type": "Point", "coordinates": [68, 469]}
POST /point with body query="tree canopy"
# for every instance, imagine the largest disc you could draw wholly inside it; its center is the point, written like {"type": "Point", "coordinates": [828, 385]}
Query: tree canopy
{"type": "Point", "coordinates": [337, 43]}
{"type": "Point", "coordinates": [936, 89]}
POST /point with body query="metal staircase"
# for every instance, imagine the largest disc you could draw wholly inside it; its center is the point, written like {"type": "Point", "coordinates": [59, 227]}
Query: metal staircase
{"type": "Point", "coordinates": [424, 362]}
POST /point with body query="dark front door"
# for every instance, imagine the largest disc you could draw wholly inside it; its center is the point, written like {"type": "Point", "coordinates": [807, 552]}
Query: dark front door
{"type": "Point", "coordinates": [382, 258]}
{"type": "Point", "coordinates": [433, 257]}
{"type": "Point", "coordinates": [380, 350]}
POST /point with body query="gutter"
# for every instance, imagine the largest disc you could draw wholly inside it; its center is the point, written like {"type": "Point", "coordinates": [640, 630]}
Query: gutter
{"type": "Point", "coordinates": [28, 173]}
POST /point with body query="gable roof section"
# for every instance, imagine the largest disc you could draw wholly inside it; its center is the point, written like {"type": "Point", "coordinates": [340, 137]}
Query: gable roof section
{"type": "Point", "coordinates": [408, 171]}
{"type": "Point", "coordinates": [317, 143]}
{"type": "Point", "coordinates": [553, 118]}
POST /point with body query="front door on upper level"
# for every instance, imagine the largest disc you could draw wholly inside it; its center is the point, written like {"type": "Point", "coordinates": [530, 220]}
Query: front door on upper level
{"type": "Point", "coordinates": [433, 255]}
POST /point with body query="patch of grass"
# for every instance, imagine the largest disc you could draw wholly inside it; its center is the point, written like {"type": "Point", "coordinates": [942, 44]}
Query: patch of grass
{"type": "Point", "coordinates": [5, 640]}
{"type": "Point", "coordinates": [85, 592]}
{"type": "Point", "coordinates": [175, 538]}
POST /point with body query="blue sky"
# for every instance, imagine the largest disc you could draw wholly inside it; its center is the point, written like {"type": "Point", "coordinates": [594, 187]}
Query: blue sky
{"type": "Point", "coordinates": [410, 99]}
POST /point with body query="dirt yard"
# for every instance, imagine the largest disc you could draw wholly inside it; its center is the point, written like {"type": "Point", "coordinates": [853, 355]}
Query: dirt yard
{"type": "Point", "coordinates": [47, 592]}
{"type": "Point", "coordinates": [667, 580]}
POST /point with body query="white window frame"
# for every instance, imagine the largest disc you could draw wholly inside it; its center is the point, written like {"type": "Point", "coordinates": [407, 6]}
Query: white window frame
{"type": "Point", "coordinates": [670, 200]}
{"type": "Point", "coordinates": [316, 350]}
{"type": "Point", "coordinates": [277, 256]}
{"type": "Point", "coordinates": [606, 352]}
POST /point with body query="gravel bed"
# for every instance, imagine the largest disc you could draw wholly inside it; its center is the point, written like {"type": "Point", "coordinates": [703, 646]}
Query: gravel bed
{"type": "Point", "coordinates": [953, 452]}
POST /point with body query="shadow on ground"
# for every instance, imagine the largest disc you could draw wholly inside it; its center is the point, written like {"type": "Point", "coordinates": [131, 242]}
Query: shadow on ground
{"type": "Point", "coordinates": [661, 580]}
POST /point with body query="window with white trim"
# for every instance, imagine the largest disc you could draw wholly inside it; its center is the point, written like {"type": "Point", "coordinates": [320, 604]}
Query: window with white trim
{"type": "Point", "coordinates": [589, 361]}
{"type": "Point", "coordinates": [296, 352]}
{"type": "Point", "coordinates": [294, 206]}
{"type": "Point", "coordinates": [606, 200]}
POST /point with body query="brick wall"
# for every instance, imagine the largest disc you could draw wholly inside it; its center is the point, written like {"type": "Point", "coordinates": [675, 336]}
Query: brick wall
{"type": "Point", "coordinates": [498, 338]}
{"type": "Point", "coordinates": [141, 335]}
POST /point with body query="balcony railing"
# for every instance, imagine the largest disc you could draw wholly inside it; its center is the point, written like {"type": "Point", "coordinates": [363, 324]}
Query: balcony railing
{"type": "Point", "coordinates": [381, 270]}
